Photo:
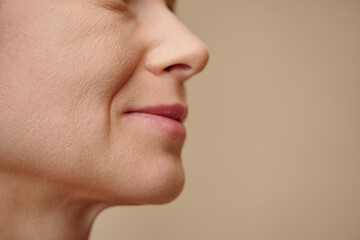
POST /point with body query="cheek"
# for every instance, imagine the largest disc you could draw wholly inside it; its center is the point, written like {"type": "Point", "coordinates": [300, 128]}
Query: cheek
{"type": "Point", "coordinates": [56, 87]}
{"type": "Point", "coordinates": [62, 70]}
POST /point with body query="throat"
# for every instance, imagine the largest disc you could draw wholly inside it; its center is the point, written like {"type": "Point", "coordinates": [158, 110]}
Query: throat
{"type": "Point", "coordinates": [31, 209]}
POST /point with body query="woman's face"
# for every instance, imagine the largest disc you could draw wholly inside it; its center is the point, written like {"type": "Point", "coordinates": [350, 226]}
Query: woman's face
{"type": "Point", "coordinates": [76, 77]}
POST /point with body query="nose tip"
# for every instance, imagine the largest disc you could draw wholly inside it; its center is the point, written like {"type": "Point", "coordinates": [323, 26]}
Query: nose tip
{"type": "Point", "coordinates": [202, 56]}
{"type": "Point", "coordinates": [178, 53]}
{"type": "Point", "coordinates": [192, 63]}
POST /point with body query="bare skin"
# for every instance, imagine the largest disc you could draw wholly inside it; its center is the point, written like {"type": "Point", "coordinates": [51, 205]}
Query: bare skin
{"type": "Point", "coordinates": [71, 74]}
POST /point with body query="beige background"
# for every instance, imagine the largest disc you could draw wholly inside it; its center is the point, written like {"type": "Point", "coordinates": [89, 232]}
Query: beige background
{"type": "Point", "coordinates": [273, 151]}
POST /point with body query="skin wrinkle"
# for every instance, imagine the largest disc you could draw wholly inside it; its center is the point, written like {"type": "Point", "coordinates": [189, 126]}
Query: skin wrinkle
{"type": "Point", "coordinates": [69, 70]}
{"type": "Point", "coordinates": [121, 85]}
{"type": "Point", "coordinates": [114, 6]}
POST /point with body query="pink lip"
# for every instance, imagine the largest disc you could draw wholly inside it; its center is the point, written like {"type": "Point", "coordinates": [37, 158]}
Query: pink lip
{"type": "Point", "coordinates": [168, 117]}
{"type": "Point", "coordinates": [176, 112]}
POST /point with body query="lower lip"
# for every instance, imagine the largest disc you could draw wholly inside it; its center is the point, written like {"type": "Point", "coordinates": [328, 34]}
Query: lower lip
{"type": "Point", "coordinates": [168, 125]}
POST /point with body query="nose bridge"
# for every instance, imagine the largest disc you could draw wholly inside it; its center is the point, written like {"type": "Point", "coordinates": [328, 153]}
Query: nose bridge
{"type": "Point", "coordinates": [176, 49]}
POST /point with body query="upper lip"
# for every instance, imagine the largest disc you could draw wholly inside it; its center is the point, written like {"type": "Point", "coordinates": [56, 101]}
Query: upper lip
{"type": "Point", "coordinates": [176, 111]}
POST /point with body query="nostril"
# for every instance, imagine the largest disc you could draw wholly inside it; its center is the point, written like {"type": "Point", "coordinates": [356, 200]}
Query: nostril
{"type": "Point", "coordinates": [178, 67]}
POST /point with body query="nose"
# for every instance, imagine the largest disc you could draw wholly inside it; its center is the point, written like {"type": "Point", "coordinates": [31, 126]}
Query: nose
{"type": "Point", "coordinates": [175, 50]}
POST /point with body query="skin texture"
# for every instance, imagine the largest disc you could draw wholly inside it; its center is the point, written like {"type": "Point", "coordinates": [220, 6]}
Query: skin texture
{"type": "Point", "coordinates": [69, 70]}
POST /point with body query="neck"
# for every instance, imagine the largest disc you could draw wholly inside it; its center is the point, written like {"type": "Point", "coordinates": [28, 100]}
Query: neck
{"type": "Point", "coordinates": [35, 210]}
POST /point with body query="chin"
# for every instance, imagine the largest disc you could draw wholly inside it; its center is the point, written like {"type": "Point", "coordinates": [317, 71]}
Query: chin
{"type": "Point", "coordinates": [164, 192]}
{"type": "Point", "coordinates": [165, 180]}
{"type": "Point", "coordinates": [159, 181]}
{"type": "Point", "coordinates": [163, 187]}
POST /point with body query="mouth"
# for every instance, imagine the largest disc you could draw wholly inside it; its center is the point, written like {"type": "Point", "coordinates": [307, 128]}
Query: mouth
{"type": "Point", "coordinates": [175, 112]}
{"type": "Point", "coordinates": [169, 118]}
